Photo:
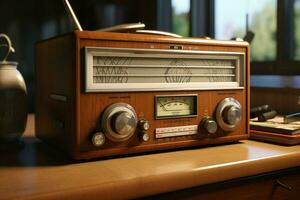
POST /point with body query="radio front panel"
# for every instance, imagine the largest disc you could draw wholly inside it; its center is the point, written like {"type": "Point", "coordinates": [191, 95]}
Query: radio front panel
{"type": "Point", "coordinates": [193, 118]}
{"type": "Point", "coordinates": [111, 94]}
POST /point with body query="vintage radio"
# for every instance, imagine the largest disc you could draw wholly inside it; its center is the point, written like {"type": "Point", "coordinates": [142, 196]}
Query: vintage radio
{"type": "Point", "coordinates": [103, 94]}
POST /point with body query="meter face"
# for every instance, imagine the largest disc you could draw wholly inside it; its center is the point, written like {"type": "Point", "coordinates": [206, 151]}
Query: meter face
{"type": "Point", "coordinates": [176, 106]}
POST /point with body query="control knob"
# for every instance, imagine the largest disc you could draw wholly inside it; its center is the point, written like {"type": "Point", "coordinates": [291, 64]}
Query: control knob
{"type": "Point", "coordinates": [232, 115]}
{"type": "Point", "coordinates": [123, 122]}
{"type": "Point", "coordinates": [209, 124]}
{"type": "Point", "coordinates": [119, 122]}
{"type": "Point", "coordinates": [98, 139]}
{"type": "Point", "coordinates": [143, 126]}
{"type": "Point", "coordinates": [229, 114]}
{"type": "Point", "coordinates": [144, 136]}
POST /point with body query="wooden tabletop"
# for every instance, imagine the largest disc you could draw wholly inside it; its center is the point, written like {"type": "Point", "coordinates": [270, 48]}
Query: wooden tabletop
{"type": "Point", "coordinates": [38, 171]}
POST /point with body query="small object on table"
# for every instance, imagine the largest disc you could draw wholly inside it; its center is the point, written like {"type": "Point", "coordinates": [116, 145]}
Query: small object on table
{"type": "Point", "coordinates": [292, 117]}
{"type": "Point", "coordinates": [13, 98]}
{"type": "Point", "coordinates": [257, 111]}
{"type": "Point", "coordinates": [263, 113]}
{"type": "Point", "coordinates": [276, 125]}
{"type": "Point", "coordinates": [276, 131]}
{"type": "Point", "coordinates": [277, 138]}
{"type": "Point", "coordinates": [267, 115]}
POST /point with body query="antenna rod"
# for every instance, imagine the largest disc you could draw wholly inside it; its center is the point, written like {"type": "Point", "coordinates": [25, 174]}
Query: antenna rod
{"type": "Point", "coordinates": [247, 22]}
{"type": "Point", "coordinates": [72, 15]}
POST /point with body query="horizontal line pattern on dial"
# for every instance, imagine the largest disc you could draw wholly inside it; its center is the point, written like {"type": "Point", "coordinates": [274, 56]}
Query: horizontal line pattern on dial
{"type": "Point", "coordinates": [109, 69]}
{"type": "Point", "coordinates": [162, 70]}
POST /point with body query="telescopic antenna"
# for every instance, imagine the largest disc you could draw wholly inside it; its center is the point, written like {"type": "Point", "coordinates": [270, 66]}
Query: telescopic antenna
{"type": "Point", "coordinates": [72, 15]}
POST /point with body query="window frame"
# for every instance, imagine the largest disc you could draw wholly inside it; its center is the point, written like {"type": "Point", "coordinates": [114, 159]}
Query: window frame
{"type": "Point", "coordinates": [201, 10]}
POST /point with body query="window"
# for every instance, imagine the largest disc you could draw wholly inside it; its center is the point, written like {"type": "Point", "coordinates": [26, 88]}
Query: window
{"type": "Point", "coordinates": [233, 19]}
{"type": "Point", "coordinates": [181, 17]}
{"type": "Point", "coordinates": [296, 30]}
{"type": "Point", "coordinates": [275, 48]}
{"type": "Point", "coordinates": [276, 24]}
{"type": "Point", "coordinates": [185, 17]}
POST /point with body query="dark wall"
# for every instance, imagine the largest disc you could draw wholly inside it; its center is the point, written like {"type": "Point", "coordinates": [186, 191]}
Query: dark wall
{"type": "Point", "coordinates": [27, 22]}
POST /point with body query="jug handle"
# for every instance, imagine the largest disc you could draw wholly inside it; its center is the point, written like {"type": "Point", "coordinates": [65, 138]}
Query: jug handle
{"type": "Point", "coordinates": [8, 45]}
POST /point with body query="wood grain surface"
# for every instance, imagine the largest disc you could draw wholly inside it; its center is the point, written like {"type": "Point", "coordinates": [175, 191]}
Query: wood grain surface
{"type": "Point", "coordinates": [39, 171]}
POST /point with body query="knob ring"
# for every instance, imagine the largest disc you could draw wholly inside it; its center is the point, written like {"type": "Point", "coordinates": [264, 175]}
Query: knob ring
{"type": "Point", "coordinates": [219, 113]}
{"type": "Point", "coordinates": [107, 119]}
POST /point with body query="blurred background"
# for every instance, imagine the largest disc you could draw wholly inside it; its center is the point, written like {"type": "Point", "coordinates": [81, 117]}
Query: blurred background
{"type": "Point", "coordinates": [275, 50]}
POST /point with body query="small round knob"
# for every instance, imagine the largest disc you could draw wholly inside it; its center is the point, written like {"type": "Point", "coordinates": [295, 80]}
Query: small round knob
{"type": "Point", "coordinates": [232, 115]}
{"type": "Point", "coordinates": [124, 123]}
{"type": "Point", "coordinates": [210, 125]}
{"type": "Point", "coordinates": [145, 136]}
{"type": "Point", "coordinates": [144, 125]}
{"type": "Point", "coordinates": [98, 139]}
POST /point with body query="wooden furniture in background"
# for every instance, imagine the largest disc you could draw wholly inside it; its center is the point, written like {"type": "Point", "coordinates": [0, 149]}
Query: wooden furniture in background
{"type": "Point", "coordinates": [283, 100]}
{"type": "Point", "coordinates": [280, 185]}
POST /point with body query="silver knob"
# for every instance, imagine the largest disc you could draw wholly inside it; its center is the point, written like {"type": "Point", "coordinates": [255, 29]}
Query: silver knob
{"type": "Point", "coordinates": [229, 114]}
{"type": "Point", "coordinates": [119, 122]}
{"type": "Point", "coordinates": [210, 125]}
{"type": "Point", "coordinates": [144, 125]}
{"type": "Point", "coordinates": [98, 139]}
{"type": "Point", "coordinates": [232, 115]}
{"type": "Point", "coordinates": [145, 136]}
{"type": "Point", "coordinates": [124, 123]}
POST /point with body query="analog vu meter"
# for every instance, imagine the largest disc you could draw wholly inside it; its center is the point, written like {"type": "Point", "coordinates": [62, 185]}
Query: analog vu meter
{"type": "Point", "coordinates": [175, 106]}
